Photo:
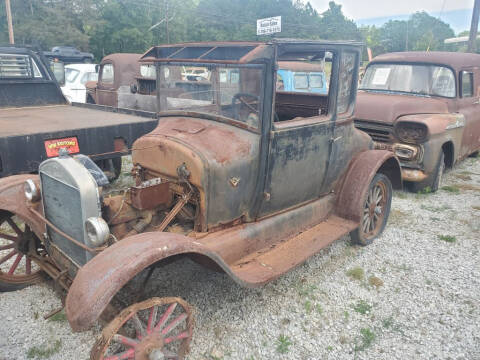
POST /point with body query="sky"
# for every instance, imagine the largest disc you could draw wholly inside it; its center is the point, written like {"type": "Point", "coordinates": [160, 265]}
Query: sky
{"type": "Point", "coordinates": [366, 9]}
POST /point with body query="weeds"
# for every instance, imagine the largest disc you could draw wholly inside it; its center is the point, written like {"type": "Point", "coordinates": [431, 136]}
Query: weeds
{"type": "Point", "coordinates": [367, 336]}
{"type": "Point", "coordinates": [375, 281]}
{"type": "Point", "coordinates": [356, 273]}
{"type": "Point", "coordinates": [452, 189]}
{"type": "Point", "coordinates": [44, 352]}
{"type": "Point", "coordinates": [426, 190]}
{"type": "Point", "coordinates": [283, 343]}
{"type": "Point", "coordinates": [362, 307]}
{"type": "Point", "coordinates": [308, 306]}
{"type": "Point", "coordinates": [447, 238]}
{"type": "Point", "coordinates": [435, 208]}
{"type": "Point", "coordinates": [58, 317]}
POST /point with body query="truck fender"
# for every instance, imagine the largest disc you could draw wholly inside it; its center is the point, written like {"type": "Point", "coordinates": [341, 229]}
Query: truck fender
{"type": "Point", "coordinates": [101, 278]}
{"type": "Point", "coordinates": [12, 200]}
{"type": "Point", "coordinates": [359, 176]}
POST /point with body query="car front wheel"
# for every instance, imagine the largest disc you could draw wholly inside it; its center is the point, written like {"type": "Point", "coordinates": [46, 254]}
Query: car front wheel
{"type": "Point", "coordinates": [376, 209]}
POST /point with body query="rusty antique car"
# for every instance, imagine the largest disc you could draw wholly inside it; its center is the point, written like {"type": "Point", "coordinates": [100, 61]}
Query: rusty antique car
{"type": "Point", "coordinates": [241, 177]}
{"type": "Point", "coordinates": [425, 107]}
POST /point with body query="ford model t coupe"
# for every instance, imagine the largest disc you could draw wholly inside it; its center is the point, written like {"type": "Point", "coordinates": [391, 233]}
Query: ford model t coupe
{"type": "Point", "coordinates": [237, 175]}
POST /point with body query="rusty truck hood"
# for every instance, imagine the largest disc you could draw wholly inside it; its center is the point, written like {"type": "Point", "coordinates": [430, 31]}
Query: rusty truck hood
{"type": "Point", "coordinates": [387, 108]}
{"type": "Point", "coordinates": [222, 160]}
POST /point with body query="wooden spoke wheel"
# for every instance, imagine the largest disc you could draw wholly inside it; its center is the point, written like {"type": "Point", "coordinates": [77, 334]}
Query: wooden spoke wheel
{"type": "Point", "coordinates": [376, 210]}
{"type": "Point", "coordinates": [155, 329]}
{"type": "Point", "coordinates": [17, 269]}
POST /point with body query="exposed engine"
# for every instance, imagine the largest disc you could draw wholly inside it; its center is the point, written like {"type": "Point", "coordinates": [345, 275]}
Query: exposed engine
{"type": "Point", "coordinates": [76, 204]}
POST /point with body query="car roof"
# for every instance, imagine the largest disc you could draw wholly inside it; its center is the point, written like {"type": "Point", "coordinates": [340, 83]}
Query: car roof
{"type": "Point", "coordinates": [456, 60]}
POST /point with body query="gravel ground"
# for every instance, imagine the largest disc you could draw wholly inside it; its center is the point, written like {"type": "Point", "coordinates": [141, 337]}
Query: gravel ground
{"type": "Point", "coordinates": [413, 294]}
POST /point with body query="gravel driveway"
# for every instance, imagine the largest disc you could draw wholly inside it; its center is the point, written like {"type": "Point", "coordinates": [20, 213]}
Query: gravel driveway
{"type": "Point", "coordinates": [413, 294]}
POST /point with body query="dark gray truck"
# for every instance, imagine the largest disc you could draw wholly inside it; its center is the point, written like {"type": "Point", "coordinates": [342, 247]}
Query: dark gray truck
{"type": "Point", "coordinates": [36, 121]}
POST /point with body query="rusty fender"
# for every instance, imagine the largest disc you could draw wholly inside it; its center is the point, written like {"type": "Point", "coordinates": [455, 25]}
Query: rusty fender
{"type": "Point", "coordinates": [362, 169]}
{"type": "Point", "coordinates": [12, 199]}
{"type": "Point", "coordinates": [102, 277]}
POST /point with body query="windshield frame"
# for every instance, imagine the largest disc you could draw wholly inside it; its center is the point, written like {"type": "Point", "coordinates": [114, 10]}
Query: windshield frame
{"type": "Point", "coordinates": [455, 78]}
{"type": "Point", "coordinates": [210, 116]}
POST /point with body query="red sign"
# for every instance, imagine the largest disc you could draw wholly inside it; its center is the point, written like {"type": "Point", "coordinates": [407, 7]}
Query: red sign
{"type": "Point", "coordinates": [52, 147]}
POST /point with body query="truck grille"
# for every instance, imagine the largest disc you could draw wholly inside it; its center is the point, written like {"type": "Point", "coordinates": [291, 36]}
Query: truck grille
{"type": "Point", "coordinates": [378, 132]}
{"type": "Point", "coordinates": [15, 66]}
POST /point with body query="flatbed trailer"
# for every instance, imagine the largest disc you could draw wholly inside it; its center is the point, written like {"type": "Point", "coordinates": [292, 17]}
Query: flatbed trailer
{"type": "Point", "coordinates": [36, 121]}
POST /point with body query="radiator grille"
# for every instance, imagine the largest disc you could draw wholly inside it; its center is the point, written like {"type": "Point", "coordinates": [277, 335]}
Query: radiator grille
{"type": "Point", "coordinates": [378, 132]}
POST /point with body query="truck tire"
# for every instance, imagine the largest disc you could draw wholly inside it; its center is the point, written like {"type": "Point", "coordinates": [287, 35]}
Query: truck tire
{"type": "Point", "coordinates": [87, 60]}
{"type": "Point", "coordinates": [434, 181]}
{"type": "Point", "coordinates": [376, 210]}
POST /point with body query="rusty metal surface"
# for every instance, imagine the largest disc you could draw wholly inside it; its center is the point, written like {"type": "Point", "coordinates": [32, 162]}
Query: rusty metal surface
{"type": "Point", "coordinates": [299, 66]}
{"type": "Point", "coordinates": [361, 172]}
{"type": "Point", "coordinates": [211, 150]}
{"type": "Point", "coordinates": [387, 108]}
{"type": "Point", "coordinates": [149, 197]}
{"type": "Point", "coordinates": [456, 60]}
{"type": "Point", "coordinates": [126, 67]}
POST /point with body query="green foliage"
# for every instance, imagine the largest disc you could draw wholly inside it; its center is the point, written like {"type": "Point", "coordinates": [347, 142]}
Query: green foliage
{"type": "Point", "coordinates": [362, 307]}
{"type": "Point", "coordinates": [45, 351]}
{"type": "Point", "coordinates": [283, 343]}
{"type": "Point", "coordinates": [448, 238]}
{"type": "Point", "coordinates": [367, 336]}
{"type": "Point", "coordinates": [58, 317]}
{"type": "Point", "coordinates": [451, 189]}
{"type": "Point", "coordinates": [421, 32]}
{"type": "Point", "coordinates": [356, 273]}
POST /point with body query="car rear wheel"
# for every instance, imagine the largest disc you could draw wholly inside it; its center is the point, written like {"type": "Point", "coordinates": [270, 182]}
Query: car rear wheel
{"type": "Point", "coordinates": [376, 210]}
{"type": "Point", "coordinates": [434, 181]}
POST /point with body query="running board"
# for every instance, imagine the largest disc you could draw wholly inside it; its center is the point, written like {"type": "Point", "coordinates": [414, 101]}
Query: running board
{"type": "Point", "coordinates": [268, 264]}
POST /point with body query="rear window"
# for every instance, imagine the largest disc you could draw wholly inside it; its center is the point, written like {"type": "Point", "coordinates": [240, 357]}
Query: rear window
{"type": "Point", "coordinates": [15, 66]}
{"type": "Point", "coordinates": [301, 81]}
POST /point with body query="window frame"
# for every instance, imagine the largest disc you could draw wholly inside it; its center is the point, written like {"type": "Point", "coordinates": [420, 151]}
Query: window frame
{"type": "Point", "coordinates": [103, 73]}
{"type": "Point", "coordinates": [472, 84]}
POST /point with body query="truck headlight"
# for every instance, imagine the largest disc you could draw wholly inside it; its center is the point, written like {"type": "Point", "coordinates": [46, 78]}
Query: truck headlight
{"type": "Point", "coordinates": [32, 192]}
{"type": "Point", "coordinates": [411, 132]}
{"type": "Point", "coordinates": [405, 152]}
{"type": "Point", "coordinates": [97, 231]}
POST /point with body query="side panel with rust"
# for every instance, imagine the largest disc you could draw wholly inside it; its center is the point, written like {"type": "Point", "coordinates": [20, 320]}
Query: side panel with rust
{"type": "Point", "coordinates": [361, 172]}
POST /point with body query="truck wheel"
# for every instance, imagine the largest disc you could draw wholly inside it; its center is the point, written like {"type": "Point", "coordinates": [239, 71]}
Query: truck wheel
{"type": "Point", "coordinates": [144, 331]}
{"type": "Point", "coordinates": [87, 60]}
{"type": "Point", "coordinates": [17, 269]}
{"type": "Point", "coordinates": [378, 201]}
{"type": "Point", "coordinates": [434, 181]}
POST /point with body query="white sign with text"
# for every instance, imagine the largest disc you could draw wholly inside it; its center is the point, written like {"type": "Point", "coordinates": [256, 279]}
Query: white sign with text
{"type": "Point", "coordinates": [269, 26]}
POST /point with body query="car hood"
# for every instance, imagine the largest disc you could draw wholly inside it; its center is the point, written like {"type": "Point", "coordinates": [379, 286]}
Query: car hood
{"type": "Point", "coordinates": [387, 108]}
{"type": "Point", "coordinates": [222, 161]}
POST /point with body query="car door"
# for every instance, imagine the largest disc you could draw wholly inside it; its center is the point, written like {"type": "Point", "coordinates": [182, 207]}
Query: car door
{"type": "Point", "coordinates": [106, 93]}
{"type": "Point", "coordinates": [469, 105]}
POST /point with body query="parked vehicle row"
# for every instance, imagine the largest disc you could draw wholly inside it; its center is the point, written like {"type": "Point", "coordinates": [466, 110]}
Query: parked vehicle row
{"type": "Point", "coordinates": [237, 175]}
{"type": "Point", "coordinates": [237, 170]}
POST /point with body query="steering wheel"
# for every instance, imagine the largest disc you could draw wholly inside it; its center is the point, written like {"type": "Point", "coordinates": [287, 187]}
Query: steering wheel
{"type": "Point", "coordinates": [239, 96]}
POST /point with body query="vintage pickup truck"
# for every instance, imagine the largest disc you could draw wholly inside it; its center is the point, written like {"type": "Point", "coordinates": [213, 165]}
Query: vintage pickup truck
{"type": "Point", "coordinates": [36, 121]}
{"type": "Point", "coordinates": [238, 176]}
{"type": "Point", "coordinates": [425, 107]}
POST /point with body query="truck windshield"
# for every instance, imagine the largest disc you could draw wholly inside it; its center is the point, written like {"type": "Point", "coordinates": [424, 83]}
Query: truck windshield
{"type": "Point", "coordinates": [233, 92]}
{"type": "Point", "coordinates": [430, 80]}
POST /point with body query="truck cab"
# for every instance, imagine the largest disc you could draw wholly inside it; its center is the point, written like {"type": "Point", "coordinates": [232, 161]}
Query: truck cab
{"type": "Point", "coordinates": [423, 106]}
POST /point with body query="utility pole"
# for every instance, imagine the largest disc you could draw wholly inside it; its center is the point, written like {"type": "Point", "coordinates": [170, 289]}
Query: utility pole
{"type": "Point", "coordinates": [474, 27]}
{"type": "Point", "coordinates": [9, 21]}
{"type": "Point", "coordinates": [166, 21]}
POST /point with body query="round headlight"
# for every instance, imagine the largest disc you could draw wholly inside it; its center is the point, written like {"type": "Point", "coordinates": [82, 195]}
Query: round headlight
{"type": "Point", "coordinates": [97, 231]}
{"type": "Point", "coordinates": [32, 192]}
